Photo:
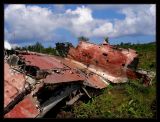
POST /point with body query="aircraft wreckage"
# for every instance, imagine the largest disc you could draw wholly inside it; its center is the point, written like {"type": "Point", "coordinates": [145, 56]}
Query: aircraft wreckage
{"type": "Point", "coordinates": [28, 74]}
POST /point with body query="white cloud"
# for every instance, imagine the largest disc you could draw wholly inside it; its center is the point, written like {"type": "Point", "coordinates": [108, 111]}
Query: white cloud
{"type": "Point", "coordinates": [81, 21]}
{"type": "Point", "coordinates": [10, 46]}
{"type": "Point", "coordinates": [82, 14]}
{"type": "Point", "coordinates": [29, 22]}
{"type": "Point", "coordinates": [104, 29]}
{"type": "Point", "coordinates": [138, 20]}
{"type": "Point", "coordinates": [7, 45]}
{"type": "Point", "coordinates": [34, 22]}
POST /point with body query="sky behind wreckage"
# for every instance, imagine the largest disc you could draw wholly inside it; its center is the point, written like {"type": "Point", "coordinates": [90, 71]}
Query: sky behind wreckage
{"type": "Point", "coordinates": [26, 24]}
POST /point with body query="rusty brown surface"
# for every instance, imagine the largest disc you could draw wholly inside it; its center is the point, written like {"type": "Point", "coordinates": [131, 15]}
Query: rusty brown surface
{"type": "Point", "coordinates": [106, 60]}
{"type": "Point", "coordinates": [101, 55]}
{"type": "Point", "coordinates": [61, 76]}
{"type": "Point", "coordinates": [42, 61]}
{"type": "Point", "coordinates": [13, 85]}
{"type": "Point", "coordinates": [64, 76]}
{"type": "Point", "coordinates": [91, 79]}
{"type": "Point", "coordinates": [96, 81]}
{"type": "Point", "coordinates": [24, 109]}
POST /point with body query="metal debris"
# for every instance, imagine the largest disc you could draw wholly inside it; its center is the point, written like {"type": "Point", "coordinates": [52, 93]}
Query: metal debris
{"type": "Point", "coordinates": [27, 75]}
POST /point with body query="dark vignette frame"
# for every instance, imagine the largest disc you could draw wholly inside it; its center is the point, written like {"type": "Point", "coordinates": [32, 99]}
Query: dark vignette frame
{"type": "Point", "coordinates": [76, 2]}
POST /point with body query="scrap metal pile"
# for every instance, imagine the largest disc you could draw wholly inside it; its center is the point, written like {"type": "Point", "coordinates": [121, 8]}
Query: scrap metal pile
{"type": "Point", "coordinates": [35, 82]}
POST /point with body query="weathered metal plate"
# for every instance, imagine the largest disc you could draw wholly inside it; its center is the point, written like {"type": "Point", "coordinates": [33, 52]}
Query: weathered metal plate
{"type": "Point", "coordinates": [14, 84]}
{"type": "Point", "coordinates": [101, 55]}
{"type": "Point", "coordinates": [96, 82]}
{"type": "Point", "coordinates": [105, 60]}
{"type": "Point", "coordinates": [10, 93]}
{"type": "Point", "coordinates": [64, 76]}
{"type": "Point", "coordinates": [90, 80]}
{"type": "Point", "coordinates": [42, 61]}
{"type": "Point", "coordinates": [113, 74]}
{"type": "Point", "coordinates": [24, 109]}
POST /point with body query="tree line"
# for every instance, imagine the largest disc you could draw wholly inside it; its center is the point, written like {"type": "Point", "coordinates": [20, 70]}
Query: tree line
{"type": "Point", "coordinates": [61, 49]}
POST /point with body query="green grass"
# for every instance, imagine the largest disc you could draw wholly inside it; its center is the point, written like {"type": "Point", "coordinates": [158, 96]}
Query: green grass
{"type": "Point", "coordinates": [128, 100]}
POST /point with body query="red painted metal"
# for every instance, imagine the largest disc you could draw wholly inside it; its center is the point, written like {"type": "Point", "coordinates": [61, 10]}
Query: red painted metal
{"type": "Point", "coordinates": [10, 93]}
{"type": "Point", "coordinates": [13, 85]}
{"type": "Point", "coordinates": [69, 75]}
{"type": "Point", "coordinates": [104, 56]}
{"type": "Point", "coordinates": [24, 109]}
{"type": "Point", "coordinates": [91, 79]}
{"type": "Point", "coordinates": [64, 76]}
{"type": "Point", "coordinates": [96, 81]}
{"type": "Point", "coordinates": [112, 62]}
{"type": "Point", "coordinates": [42, 61]}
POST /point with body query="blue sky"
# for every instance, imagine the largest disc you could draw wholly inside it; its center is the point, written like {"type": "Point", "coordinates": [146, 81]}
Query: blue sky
{"type": "Point", "coordinates": [51, 23]}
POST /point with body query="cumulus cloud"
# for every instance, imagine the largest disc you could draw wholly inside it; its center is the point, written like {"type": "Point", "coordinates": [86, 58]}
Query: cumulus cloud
{"type": "Point", "coordinates": [139, 20]}
{"type": "Point", "coordinates": [29, 22]}
{"type": "Point", "coordinates": [106, 28]}
{"type": "Point", "coordinates": [83, 15]}
{"type": "Point", "coordinates": [25, 22]}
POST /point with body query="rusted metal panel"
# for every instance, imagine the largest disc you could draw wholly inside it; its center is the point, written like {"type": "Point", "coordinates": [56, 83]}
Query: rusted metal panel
{"type": "Point", "coordinates": [64, 76]}
{"type": "Point", "coordinates": [69, 75]}
{"type": "Point", "coordinates": [114, 74]}
{"type": "Point", "coordinates": [42, 61]}
{"type": "Point", "coordinates": [24, 109]}
{"type": "Point", "coordinates": [101, 55]}
{"type": "Point", "coordinates": [9, 93]}
{"type": "Point", "coordinates": [91, 79]}
{"type": "Point", "coordinates": [96, 81]}
{"type": "Point", "coordinates": [106, 60]}
{"type": "Point", "coordinates": [14, 83]}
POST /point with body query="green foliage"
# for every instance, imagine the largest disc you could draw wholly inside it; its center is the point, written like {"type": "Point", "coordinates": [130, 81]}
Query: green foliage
{"type": "Point", "coordinates": [60, 50]}
{"type": "Point", "coordinates": [113, 103]}
{"type": "Point", "coordinates": [63, 48]}
{"type": "Point", "coordinates": [50, 51]}
{"type": "Point", "coordinates": [106, 39]}
{"type": "Point", "coordinates": [82, 38]}
{"type": "Point", "coordinates": [38, 47]}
